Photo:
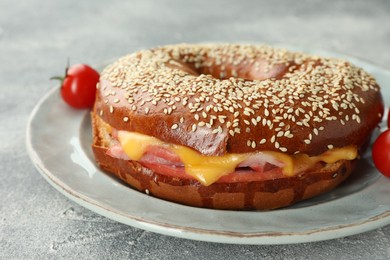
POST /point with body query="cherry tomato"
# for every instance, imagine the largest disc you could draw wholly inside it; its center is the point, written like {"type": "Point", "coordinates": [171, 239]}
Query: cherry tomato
{"type": "Point", "coordinates": [381, 153]}
{"type": "Point", "coordinates": [78, 88]}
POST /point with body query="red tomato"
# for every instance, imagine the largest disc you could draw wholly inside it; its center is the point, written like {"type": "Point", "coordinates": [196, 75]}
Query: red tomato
{"type": "Point", "coordinates": [78, 88]}
{"type": "Point", "coordinates": [381, 153]}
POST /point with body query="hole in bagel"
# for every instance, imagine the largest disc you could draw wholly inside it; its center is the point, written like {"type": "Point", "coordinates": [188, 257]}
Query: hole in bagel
{"type": "Point", "coordinates": [259, 69]}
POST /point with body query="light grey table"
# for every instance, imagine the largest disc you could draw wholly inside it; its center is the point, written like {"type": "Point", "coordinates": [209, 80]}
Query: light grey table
{"type": "Point", "coordinates": [37, 37]}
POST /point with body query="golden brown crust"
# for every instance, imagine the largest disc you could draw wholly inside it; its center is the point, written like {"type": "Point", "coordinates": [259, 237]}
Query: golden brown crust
{"type": "Point", "coordinates": [221, 99]}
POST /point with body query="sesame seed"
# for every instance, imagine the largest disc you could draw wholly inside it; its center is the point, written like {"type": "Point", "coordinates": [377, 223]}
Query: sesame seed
{"type": "Point", "coordinates": [283, 149]}
{"type": "Point", "coordinates": [253, 144]}
{"type": "Point", "coordinates": [174, 126]}
{"type": "Point", "coordinates": [111, 109]}
{"type": "Point", "coordinates": [263, 141]}
{"type": "Point", "coordinates": [125, 119]}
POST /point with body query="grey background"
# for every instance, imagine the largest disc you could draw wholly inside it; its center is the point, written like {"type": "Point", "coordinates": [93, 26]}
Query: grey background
{"type": "Point", "coordinates": [36, 37]}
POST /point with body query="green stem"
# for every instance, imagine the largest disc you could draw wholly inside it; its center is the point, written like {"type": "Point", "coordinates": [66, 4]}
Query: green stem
{"type": "Point", "coordinates": [61, 78]}
{"type": "Point", "coordinates": [57, 78]}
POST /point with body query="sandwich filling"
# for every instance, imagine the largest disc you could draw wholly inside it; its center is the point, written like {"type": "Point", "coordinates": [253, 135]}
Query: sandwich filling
{"type": "Point", "coordinates": [181, 161]}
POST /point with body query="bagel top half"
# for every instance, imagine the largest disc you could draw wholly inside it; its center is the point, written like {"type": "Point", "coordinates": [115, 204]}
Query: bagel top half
{"type": "Point", "coordinates": [224, 98]}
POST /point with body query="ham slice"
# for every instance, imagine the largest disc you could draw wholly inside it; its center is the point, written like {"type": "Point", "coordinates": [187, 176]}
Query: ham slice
{"type": "Point", "coordinates": [163, 161]}
{"type": "Point", "coordinates": [153, 155]}
{"type": "Point", "coordinates": [161, 155]}
{"type": "Point", "coordinates": [116, 151]}
{"type": "Point", "coordinates": [259, 161]}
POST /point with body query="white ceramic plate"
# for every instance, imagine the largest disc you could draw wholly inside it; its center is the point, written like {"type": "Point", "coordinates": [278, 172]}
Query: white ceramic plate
{"type": "Point", "coordinates": [58, 141]}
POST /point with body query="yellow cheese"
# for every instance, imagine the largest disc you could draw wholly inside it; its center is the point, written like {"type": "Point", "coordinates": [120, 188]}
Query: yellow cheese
{"type": "Point", "coordinates": [208, 169]}
{"type": "Point", "coordinates": [336, 154]}
{"type": "Point", "coordinates": [135, 144]}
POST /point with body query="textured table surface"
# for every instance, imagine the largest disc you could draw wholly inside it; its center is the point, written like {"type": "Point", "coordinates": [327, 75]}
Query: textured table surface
{"type": "Point", "coordinates": [37, 37]}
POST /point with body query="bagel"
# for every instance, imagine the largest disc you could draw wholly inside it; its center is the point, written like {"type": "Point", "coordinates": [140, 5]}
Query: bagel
{"type": "Point", "coordinates": [229, 126]}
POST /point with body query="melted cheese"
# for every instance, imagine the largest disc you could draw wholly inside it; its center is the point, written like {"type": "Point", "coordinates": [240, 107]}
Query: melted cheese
{"type": "Point", "coordinates": [334, 155]}
{"type": "Point", "coordinates": [134, 144]}
{"type": "Point", "coordinates": [208, 169]}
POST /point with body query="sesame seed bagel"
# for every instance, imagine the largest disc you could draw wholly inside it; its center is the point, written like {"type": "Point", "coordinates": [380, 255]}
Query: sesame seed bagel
{"type": "Point", "coordinates": [221, 99]}
{"type": "Point", "coordinates": [277, 127]}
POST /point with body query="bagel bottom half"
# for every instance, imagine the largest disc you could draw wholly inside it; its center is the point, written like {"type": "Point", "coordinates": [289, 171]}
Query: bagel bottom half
{"type": "Point", "coordinates": [256, 195]}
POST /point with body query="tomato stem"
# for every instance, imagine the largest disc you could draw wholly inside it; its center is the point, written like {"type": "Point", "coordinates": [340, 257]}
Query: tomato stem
{"type": "Point", "coordinates": [67, 67]}
{"type": "Point", "coordinates": [61, 78]}
{"type": "Point", "coordinates": [57, 78]}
